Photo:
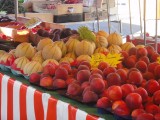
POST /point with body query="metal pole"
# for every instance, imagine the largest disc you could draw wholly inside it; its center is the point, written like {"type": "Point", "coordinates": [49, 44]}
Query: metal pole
{"type": "Point", "coordinates": [140, 15]}
{"type": "Point", "coordinates": [144, 22]}
{"type": "Point", "coordinates": [108, 12]}
{"type": "Point", "coordinates": [156, 25]}
{"type": "Point", "coordinates": [16, 8]}
{"type": "Point", "coordinates": [130, 17]}
{"type": "Point", "coordinates": [97, 15]}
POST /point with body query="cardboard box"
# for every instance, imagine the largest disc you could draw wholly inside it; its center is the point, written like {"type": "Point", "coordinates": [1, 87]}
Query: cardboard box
{"type": "Point", "coordinates": [93, 16]}
{"type": "Point", "coordinates": [57, 9]}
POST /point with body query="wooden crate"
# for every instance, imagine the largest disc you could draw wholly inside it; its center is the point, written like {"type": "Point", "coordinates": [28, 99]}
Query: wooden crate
{"type": "Point", "coordinates": [57, 9]}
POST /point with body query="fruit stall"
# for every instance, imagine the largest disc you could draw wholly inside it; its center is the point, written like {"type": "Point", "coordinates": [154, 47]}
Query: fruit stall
{"type": "Point", "coordinates": [49, 71]}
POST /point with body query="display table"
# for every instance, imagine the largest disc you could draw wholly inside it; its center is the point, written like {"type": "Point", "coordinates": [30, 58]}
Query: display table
{"type": "Point", "coordinates": [19, 101]}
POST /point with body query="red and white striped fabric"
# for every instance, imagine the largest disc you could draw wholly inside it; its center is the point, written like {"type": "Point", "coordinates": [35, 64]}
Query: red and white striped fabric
{"type": "Point", "coordinates": [21, 102]}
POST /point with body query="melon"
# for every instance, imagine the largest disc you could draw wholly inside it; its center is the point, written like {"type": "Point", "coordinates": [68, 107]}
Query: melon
{"type": "Point", "coordinates": [25, 49]}
{"type": "Point", "coordinates": [101, 41]}
{"type": "Point", "coordinates": [43, 42]}
{"type": "Point", "coordinates": [66, 59]}
{"type": "Point", "coordinates": [140, 46]}
{"type": "Point", "coordinates": [114, 39]}
{"type": "Point", "coordinates": [71, 44]}
{"type": "Point", "coordinates": [48, 61]}
{"type": "Point", "coordinates": [126, 46]}
{"type": "Point", "coordinates": [62, 46]}
{"type": "Point", "coordinates": [51, 51]}
{"type": "Point", "coordinates": [38, 58]}
{"type": "Point", "coordinates": [32, 67]}
{"type": "Point", "coordinates": [114, 49]}
{"type": "Point", "coordinates": [13, 51]}
{"type": "Point", "coordinates": [103, 33]}
{"type": "Point", "coordinates": [84, 58]}
{"type": "Point", "coordinates": [71, 55]}
{"type": "Point", "coordinates": [2, 52]}
{"type": "Point", "coordinates": [19, 63]}
{"type": "Point", "coordinates": [7, 59]}
{"type": "Point", "coordinates": [84, 48]}
{"type": "Point", "coordinates": [101, 50]}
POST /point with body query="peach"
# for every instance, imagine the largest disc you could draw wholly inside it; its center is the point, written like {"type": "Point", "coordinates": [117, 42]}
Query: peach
{"type": "Point", "coordinates": [90, 96]}
{"type": "Point", "coordinates": [70, 80]}
{"type": "Point", "coordinates": [143, 93]}
{"type": "Point", "coordinates": [50, 69]}
{"type": "Point", "coordinates": [145, 59]}
{"type": "Point", "coordinates": [34, 78]}
{"type": "Point", "coordinates": [74, 72]}
{"type": "Point", "coordinates": [154, 57]}
{"type": "Point", "coordinates": [83, 75]}
{"type": "Point", "coordinates": [96, 75]}
{"type": "Point", "coordinates": [141, 66]}
{"type": "Point", "coordinates": [84, 85]}
{"type": "Point", "coordinates": [132, 51]}
{"type": "Point", "coordinates": [157, 71]}
{"type": "Point", "coordinates": [96, 70]}
{"type": "Point", "coordinates": [103, 65]}
{"type": "Point", "coordinates": [97, 85]}
{"type": "Point", "coordinates": [123, 75]}
{"type": "Point", "coordinates": [61, 73]}
{"type": "Point", "coordinates": [120, 108]}
{"type": "Point", "coordinates": [156, 97]}
{"type": "Point", "coordinates": [82, 67]}
{"type": "Point", "coordinates": [113, 79]}
{"type": "Point", "coordinates": [46, 82]}
{"type": "Point", "coordinates": [86, 89]}
{"type": "Point", "coordinates": [141, 52]}
{"type": "Point", "coordinates": [44, 75]}
{"type": "Point", "coordinates": [157, 116]}
{"type": "Point", "coordinates": [66, 66]}
{"type": "Point", "coordinates": [137, 112]}
{"type": "Point", "coordinates": [104, 103]}
{"type": "Point", "coordinates": [135, 77]}
{"type": "Point", "coordinates": [150, 50]}
{"type": "Point", "coordinates": [114, 93]}
{"type": "Point", "coordinates": [119, 66]}
{"type": "Point", "coordinates": [152, 86]}
{"type": "Point", "coordinates": [152, 66]}
{"type": "Point", "coordinates": [74, 89]}
{"type": "Point", "coordinates": [130, 62]}
{"type": "Point", "coordinates": [86, 63]}
{"type": "Point", "coordinates": [148, 75]}
{"type": "Point", "coordinates": [104, 93]}
{"type": "Point", "coordinates": [59, 83]}
{"type": "Point", "coordinates": [108, 70]}
{"type": "Point", "coordinates": [152, 108]}
{"type": "Point", "coordinates": [124, 54]}
{"type": "Point", "coordinates": [133, 101]}
{"type": "Point", "coordinates": [126, 89]}
{"type": "Point", "coordinates": [145, 116]}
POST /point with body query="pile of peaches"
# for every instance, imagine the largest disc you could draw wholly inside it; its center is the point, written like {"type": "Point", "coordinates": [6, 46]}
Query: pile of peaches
{"type": "Point", "coordinates": [130, 89]}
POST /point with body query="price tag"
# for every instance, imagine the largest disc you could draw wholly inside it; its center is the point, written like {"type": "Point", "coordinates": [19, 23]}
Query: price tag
{"type": "Point", "coordinates": [158, 60]}
{"type": "Point", "coordinates": [113, 59]}
{"type": "Point", "coordinates": [33, 22]}
{"type": "Point", "coordinates": [96, 59]}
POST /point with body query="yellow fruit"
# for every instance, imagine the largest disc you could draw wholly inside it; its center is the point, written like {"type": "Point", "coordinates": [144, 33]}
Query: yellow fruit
{"type": "Point", "coordinates": [51, 51]}
{"type": "Point", "coordinates": [48, 61]}
{"type": "Point", "coordinates": [42, 43]}
{"type": "Point", "coordinates": [21, 62]}
{"type": "Point", "coordinates": [25, 49]}
{"type": "Point", "coordinates": [6, 59]}
{"type": "Point", "coordinates": [2, 52]}
{"type": "Point", "coordinates": [71, 55]}
{"type": "Point", "coordinates": [32, 67]}
{"type": "Point", "coordinates": [114, 39]}
{"type": "Point", "coordinates": [71, 44]}
{"type": "Point", "coordinates": [84, 58]}
{"type": "Point", "coordinates": [38, 58]}
{"type": "Point", "coordinates": [84, 48]}
{"type": "Point", "coordinates": [103, 33]}
{"type": "Point", "coordinates": [114, 49]}
{"type": "Point", "coordinates": [140, 46]}
{"type": "Point", "coordinates": [66, 59]}
{"type": "Point", "coordinates": [101, 50]}
{"type": "Point", "coordinates": [126, 46]}
{"type": "Point", "coordinates": [101, 41]}
{"type": "Point", "coordinates": [62, 46]}
{"type": "Point", "coordinates": [12, 52]}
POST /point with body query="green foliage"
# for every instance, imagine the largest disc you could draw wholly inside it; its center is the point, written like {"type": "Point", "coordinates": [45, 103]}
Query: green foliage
{"type": "Point", "coordinates": [87, 34]}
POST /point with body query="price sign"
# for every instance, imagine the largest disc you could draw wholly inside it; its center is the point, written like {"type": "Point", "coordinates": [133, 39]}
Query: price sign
{"type": "Point", "coordinates": [33, 22]}
{"type": "Point", "coordinates": [113, 59]}
{"type": "Point", "coordinates": [158, 60]}
{"type": "Point", "coordinates": [96, 59]}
